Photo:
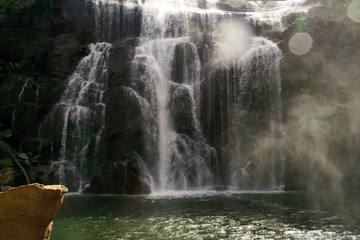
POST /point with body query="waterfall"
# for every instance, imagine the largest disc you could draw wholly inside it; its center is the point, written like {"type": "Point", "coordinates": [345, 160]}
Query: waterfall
{"type": "Point", "coordinates": [77, 120]}
{"type": "Point", "coordinates": [173, 66]}
{"type": "Point", "coordinates": [207, 90]}
{"type": "Point", "coordinates": [176, 158]}
{"type": "Point", "coordinates": [20, 97]}
{"type": "Point", "coordinates": [271, 13]}
{"type": "Point", "coordinates": [170, 61]}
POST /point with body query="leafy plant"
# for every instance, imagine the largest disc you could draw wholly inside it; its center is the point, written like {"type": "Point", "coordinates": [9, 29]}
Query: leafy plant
{"type": "Point", "coordinates": [7, 5]}
{"type": "Point", "coordinates": [301, 21]}
{"type": "Point", "coordinates": [18, 65]}
{"type": "Point", "coordinates": [6, 162]}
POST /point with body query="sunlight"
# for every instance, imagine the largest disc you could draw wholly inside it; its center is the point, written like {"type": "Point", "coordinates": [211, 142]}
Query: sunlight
{"type": "Point", "coordinates": [354, 11]}
{"type": "Point", "coordinates": [235, 39]}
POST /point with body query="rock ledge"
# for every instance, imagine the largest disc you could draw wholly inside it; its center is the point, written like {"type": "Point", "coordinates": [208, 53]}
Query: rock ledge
{"type": "Point", "coordinates": [27, 212]}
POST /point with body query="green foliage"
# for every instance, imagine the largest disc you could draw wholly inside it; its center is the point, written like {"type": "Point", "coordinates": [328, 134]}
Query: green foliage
{"type": "Point", "coordinates": [7, 5]}
{"type": "Point", "coordinates": [6, 162]}
{"type": "Point", "coordinates": [18, 66]}
{"type": "Point", "coordinates": [313, 83]}
{"type": "Point", "coordinates": [301, 21]}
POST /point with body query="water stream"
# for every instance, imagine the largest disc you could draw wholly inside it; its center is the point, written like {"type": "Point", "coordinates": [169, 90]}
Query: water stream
{"type": "Point", "coordinates": [76, 123]}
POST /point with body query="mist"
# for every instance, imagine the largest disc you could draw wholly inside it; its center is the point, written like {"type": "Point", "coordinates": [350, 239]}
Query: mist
{"type": "Point", "coordinates": [322, 106]}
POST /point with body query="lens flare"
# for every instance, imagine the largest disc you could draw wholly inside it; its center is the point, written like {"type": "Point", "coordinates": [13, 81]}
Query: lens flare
{"type": "Point", "coordinates": [235, 38]}
{"type": "Point", "coordinates": [300, 43]}
{"type": "Point", "coordinates": [354, 11]}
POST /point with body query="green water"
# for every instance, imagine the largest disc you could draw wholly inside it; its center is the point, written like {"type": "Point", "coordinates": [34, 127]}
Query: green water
{"type": "Point", "coordinates": [199, 216]}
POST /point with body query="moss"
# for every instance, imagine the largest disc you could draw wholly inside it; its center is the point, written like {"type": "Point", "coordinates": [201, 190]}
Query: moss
{"type": "Point", "coordinates": [6, 162]}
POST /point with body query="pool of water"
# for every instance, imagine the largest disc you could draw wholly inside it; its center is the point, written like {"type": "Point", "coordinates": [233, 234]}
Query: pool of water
{"type": "Point", "coordinates": [199, 216]}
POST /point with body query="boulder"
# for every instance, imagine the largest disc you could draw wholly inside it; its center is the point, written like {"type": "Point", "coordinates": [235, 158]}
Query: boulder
{"type": "Point", "coordinates": [7, 176]}
{"type": "Point", "coordinates": [27, 212]}
{"type": "Point", "coordinates": [23, 156]}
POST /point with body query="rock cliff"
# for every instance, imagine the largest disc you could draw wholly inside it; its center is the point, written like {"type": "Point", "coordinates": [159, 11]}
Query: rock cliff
{"type": "Point", "coordinates": [27, 212]}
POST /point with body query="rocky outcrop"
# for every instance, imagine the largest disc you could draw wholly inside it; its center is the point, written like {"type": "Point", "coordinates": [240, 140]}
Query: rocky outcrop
{"type": "Point", "coordinates": [27, 212]}
{"type": "Point", "coordinates": [41, 43]}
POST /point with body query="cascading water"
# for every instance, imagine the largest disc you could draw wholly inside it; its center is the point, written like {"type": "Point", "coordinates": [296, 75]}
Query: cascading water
{"type": "Point", "coordinates": [207, 90]}
{"type": "Point", "coordinates": [249, 104]}
{"type": "Point", "coordinates": [166, 44]}
{"type": "Point", "coordinates": [76, 123]}
{"type": "Point", "coordinates": [178, 153]}
{"type": "Point", "coordinates": [184, 158]}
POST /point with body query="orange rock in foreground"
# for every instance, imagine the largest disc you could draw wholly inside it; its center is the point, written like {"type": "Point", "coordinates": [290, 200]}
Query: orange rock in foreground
{"type": "Point", "coordinates": [27, 212]}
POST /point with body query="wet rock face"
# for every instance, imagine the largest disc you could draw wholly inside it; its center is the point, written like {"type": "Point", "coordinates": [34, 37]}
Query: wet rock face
{"type": "Point", "coordinates": [40, 46]}
{"type": "Point", "coordinates": [27, 212]}
{"type": "Point", "coordinates": [182, 110]}
{"type": "Point", "coordinates": [183, 69]}
{"type": "Point", "coordinates": [123, 128]}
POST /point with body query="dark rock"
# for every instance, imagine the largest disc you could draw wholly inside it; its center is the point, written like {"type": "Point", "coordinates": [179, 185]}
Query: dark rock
{"type": "Point", "coordinates": [4, 188]}
{"type": "Point", "coordinates": [23, 156]}
{"type": "Point", "coordinates": [45, 174]}
{"type": "Point", "coordinates": [26, 163]}
{"type": "Point", "coordinates": [7, 176]}
{"type": "Point", "coordinates": [94, 187]}
{"type": "Point", "coordinates": [34, 161]}
{"type": "Point", "coordinates": [126, 173]}
{"type": "Point", "coordinates": [182, 110]}
{"type": "Point", "coordinates": [124, 121]}
{"type": "Point", "coordinates": [41, 148]}
{"type": "Point", "coordinates": [241, 7]}
{"type": "Point", "coordinates": [185, 63]}
{"type": "Point", "coordinates": [124, 125]}
{"type": "Point", "coordinates": [26, 120]}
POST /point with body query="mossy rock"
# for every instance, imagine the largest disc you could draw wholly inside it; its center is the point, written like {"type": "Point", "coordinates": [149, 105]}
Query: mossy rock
{"type": "Point", "coordinates": [6, 162]}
